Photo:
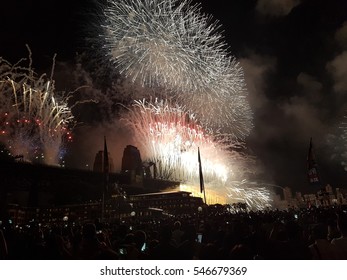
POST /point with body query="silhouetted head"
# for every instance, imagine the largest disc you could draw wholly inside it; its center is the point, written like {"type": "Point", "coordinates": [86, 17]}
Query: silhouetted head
{"type": "Point", "coordinates": [165, 233]}
{"type": "Point", "coordinates": [89, 231]}
{"type": "Point", "coordinates": [342, 223]}
{"type": "Point", "coordinates": [177, 225]}
{"type": "Point", "coordinates": [320, 231]}
{"type": "Point", "coordinates": [139, 238]}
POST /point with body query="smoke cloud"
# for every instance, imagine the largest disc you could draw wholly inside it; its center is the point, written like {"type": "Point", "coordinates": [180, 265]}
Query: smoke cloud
{"type": "Point", "coordinates": [276, 8]}
{"type": "Point", "coordinates": [256, 68]}
{"type": "Point", "coordinates": [338, 69]}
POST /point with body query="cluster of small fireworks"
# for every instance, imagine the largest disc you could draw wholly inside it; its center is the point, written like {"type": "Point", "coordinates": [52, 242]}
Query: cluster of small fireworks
{"type": "Point", "coordinates": [178, 54]}
{"type": "Point", "coordinates": [33, 122]}
{"type": "Point", "coordinates": [170, 45]}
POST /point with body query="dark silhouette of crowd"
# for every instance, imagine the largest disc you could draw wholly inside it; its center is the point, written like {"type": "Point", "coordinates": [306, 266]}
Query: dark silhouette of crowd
{"type": "Point", "coordinates": [305, 234]}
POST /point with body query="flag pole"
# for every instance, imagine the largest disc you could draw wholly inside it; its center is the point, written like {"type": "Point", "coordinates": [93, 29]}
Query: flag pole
{"type": "Point", "coordinates": [201, 177]}
{"type": "Point", "coordinates": [105, 181]}
{"type": "Point", "coordinates": [312, 172]}
{"type": "Point", "coordinates": [103, 206]}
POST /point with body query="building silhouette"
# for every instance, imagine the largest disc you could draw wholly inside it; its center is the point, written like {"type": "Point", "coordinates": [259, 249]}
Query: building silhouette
{"type": "Point", "coordinates": [99, 162]}
{"type": "Point", "coordinates": [132, 164]}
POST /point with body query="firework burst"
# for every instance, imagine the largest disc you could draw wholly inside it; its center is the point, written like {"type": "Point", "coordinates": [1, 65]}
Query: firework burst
{"type": "Point", "coordinates": [169, 136]}
{"type": "Point", "coordinates": [172, 46]}
{"type": "Point", "coordinates": [33, 121]}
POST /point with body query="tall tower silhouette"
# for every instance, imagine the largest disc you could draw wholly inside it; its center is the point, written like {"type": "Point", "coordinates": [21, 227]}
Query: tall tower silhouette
{"type": "Point", "coordinates": [99, 162]}
{"type": "Point", "coordinates": [132, 163]}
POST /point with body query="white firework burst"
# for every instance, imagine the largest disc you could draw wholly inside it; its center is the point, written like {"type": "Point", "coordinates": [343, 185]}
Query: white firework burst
{"type": "Point", "coordinates": [172, 46]}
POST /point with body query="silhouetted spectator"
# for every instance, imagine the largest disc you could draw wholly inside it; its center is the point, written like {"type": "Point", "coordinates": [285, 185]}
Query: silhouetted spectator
{"type": "Point", "coordinates": [285, 242]}
{"type": "Point", "coordinates": [189, 248]}
{"type": "Point", "coordinates": [165, 250]}
{"type": "Point", "coordinates": [57, 248]}
{"type": "Point", "coordinates": [91, 248]}
{"type": "Point", "coordinates": [341, 242]}
{"type": "Point", "coordinates": [177, 233]}
{"type": "Point", "coordinates": [322, 249]}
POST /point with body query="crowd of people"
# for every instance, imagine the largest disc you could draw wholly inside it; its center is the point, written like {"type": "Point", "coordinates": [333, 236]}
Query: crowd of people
{"type": "Point", "coordinates": [315, 233]}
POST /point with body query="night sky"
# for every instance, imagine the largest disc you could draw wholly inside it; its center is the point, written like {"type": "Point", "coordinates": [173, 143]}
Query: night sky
{"type": "Point", "coordinates": [294, 55]}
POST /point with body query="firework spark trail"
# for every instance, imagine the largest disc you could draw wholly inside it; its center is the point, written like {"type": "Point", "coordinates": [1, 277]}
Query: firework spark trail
{"type": "Point", "coordinates": [33, 120]}
{"type": "Point", "coordinates": [172, 46]}
{"type": "Point", "coordinates": [256, 196]}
